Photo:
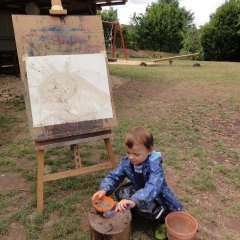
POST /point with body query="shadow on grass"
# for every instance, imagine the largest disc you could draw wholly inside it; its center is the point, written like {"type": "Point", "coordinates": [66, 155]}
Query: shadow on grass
{"type": "Point", "coordinates": [142, 228]}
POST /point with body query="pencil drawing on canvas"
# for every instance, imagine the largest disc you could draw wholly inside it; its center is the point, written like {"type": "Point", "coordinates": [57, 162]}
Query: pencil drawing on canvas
{"type": "Point", "coordinates": [68, 88]}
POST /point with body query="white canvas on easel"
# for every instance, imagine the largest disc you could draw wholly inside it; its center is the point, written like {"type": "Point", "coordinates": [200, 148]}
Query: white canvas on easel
{"type": "Point", "coordinates": [68, 88]}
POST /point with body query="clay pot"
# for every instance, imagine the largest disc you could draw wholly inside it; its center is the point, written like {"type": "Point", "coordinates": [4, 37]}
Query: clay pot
{"type": "Point", "coordinates": [181, 226]}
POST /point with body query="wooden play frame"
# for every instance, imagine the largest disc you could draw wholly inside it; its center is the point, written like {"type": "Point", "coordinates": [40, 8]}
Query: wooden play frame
{"type": "Point", "coordinates": [28, 30]}
{"type": "Point", "coordinates": [116, 25]}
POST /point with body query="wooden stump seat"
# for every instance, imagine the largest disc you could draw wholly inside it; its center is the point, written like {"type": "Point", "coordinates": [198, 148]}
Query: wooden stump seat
{"type": "Point", "coordinates": [116, 227]}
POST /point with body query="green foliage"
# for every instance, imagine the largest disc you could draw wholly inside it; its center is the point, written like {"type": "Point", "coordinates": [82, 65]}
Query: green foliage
{"type": "Point", "coordinates": [221, 36]}
{"type": "Point", "coordinates": [128, 37]}
{"type": "Point", "coordinates": [163, 26]}
{"type": "Point", "coordinates": [109, 15]}
{"type": "Point", "coordinates": [192, 43]}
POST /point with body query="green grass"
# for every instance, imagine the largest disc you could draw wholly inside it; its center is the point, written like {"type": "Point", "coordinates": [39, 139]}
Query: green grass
{"type": "Point", "coordinates": [193, 114]}
{"type": "Point", "coordinates": [3, 227]}
{"type": "Point", "coordinates": [6, 122]}
{"type": "Point", "coordinates": [214, 73]}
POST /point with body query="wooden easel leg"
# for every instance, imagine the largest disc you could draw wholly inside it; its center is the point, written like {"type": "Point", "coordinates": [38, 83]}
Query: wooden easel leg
{"type": "Point", "coordinates": [110, 152]}
{"type": "Point", "coordinates": [77, 157]}
{"type": "Point", "coordinates": [40, 156]}
{"type": "Point", "coordinates": [76, 151]}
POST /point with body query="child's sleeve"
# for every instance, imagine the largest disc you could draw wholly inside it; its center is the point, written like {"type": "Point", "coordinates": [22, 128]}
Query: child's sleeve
{"type": "Point", "coordinates": [113, 179]}
{"type": "Point", "coordinates": [144, 196]}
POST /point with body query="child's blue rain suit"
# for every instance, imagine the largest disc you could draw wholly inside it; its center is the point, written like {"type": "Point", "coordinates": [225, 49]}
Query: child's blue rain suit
{"type": "Point", "coordinates": [155, 187]}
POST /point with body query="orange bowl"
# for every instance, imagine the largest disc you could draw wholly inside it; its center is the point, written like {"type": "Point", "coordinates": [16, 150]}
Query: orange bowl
{"type": "Point", "coordinates": [104, 204]}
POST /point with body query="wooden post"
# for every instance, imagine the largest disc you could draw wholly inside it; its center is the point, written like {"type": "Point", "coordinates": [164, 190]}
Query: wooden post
{"type": "Point", "coordinates": [110, 152]}
{"type": "Point", "coordinates": [114, 40]}
{"type": "Point", "coordinates": [77, 157]}
{"type": "Point", "coordinates": [122, 40]}
{"type": "Point", "coordinates": [40, 156]}
{"type": "Point", "coordinates": [57, 8]}
{"type": "Point", "coordinates": [116, 227]}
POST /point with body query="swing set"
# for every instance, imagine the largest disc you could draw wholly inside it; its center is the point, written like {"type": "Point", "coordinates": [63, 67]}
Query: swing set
{"type": "Point", "coordinates": [114, 26]}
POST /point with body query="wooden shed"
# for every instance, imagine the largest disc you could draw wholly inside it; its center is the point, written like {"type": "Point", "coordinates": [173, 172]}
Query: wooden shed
{"type": "Point", "coordinates": [8, 53]}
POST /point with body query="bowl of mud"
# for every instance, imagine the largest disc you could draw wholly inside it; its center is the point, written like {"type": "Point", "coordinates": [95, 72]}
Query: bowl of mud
{"type": "Point", "coordinates": [181, 226]}
{"type": "Point", "coordinates": [104, 204]}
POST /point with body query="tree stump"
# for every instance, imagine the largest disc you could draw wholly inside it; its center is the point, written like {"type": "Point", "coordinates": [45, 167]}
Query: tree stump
{"type": "Point", "coordinates": [116, 227]}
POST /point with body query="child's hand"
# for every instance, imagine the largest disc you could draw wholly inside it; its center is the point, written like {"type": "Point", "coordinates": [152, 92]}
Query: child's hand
{"type": "Point", "coordinates": [98, 195]}
{"type": "Point", "coordinates": [123, 204]}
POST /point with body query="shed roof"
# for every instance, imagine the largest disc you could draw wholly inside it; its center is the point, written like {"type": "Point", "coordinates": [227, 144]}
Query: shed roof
{"type": "Point", "coordinates": [73, 6]}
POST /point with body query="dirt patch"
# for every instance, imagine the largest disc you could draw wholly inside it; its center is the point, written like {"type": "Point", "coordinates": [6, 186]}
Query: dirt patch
{"type": "Point", "coordinates": [233, 223]}
{"type": "Point", "coordinates": [13, 114]}
{"type": "Point", "coordinates": [158, 104]}
{"type": "Point", "coordinates": [26, 163]}
{"type": "Point", "coordinates": [118, 82]}
{"type": "Point", "coordinates": [16, 231]}
{"type": "Point", "coordinates": [53, 219]}
{"type": "Point", "coordinates": [84, 207]}
{"type": "Point", "coordinates": [177, 92]}
{"type": "Point", "coordinates": [11, 87]}
{"type": "Point", "coordinates": [11, 181]}
{"type": "Point", "coordinates": [144, 53]}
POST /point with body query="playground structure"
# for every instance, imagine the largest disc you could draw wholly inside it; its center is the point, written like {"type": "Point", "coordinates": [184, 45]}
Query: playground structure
{"type": "Point", "coordinates": [116, 25]}
{"type": "Point", "coordinates": [170, 59]}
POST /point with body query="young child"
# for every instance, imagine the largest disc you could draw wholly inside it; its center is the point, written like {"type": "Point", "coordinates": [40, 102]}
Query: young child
{"type": "Point", "coordinates": [147, 190]}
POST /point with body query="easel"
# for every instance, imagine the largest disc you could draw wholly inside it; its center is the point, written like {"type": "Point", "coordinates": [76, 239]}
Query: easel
{"type": "Point", "coordinates": [29, 39]}
{"type": "Point", "coordinates": [74, 143]}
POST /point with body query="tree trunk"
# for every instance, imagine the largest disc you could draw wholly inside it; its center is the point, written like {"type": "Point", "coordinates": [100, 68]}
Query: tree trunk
{"type": "Point", "coordinates": [116, 227]}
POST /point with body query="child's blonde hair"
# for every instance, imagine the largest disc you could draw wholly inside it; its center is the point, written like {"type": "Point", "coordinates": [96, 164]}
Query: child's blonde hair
{"type": "Point", "coordinates": [139, 135]}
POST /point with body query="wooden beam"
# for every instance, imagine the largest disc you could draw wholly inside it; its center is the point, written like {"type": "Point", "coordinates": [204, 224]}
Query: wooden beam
{"type": "Point", "coordinates": [40, 156]}
{"type": "Point", "coordinates": [16, 6]}
{"type": "Point", "coordinates": [174, 57]}
{"type": "Point", "coordinates": [75, 172]}
{"type": "Point", "coordinates": [152, 62]}
{"type": "Point", "coordinates": [70, 140]}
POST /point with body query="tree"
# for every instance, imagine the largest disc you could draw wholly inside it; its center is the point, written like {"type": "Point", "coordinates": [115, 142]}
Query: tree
{"type": "Point", "coordinates": [221, 36]}
{"type": "Point", "coordinates": [163, 26]}
{"type": "Point", "coordinates": [109, 15]}
{"type": "Point", "coordinates": [192, 43]}
{"type": "Point", "coordinates": [127, 36]}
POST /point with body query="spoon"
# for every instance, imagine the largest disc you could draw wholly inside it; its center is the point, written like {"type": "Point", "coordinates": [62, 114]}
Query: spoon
{"type": "Point", "coordinates": [112, 212]}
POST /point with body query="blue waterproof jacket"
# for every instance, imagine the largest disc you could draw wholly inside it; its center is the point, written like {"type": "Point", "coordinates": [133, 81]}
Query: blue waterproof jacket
{"type": "Point", "coordinates": [155, 187]}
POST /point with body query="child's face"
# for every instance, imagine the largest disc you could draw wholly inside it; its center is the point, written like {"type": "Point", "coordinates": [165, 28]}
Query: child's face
{"type": "Point", "coordinates": [138, 153]}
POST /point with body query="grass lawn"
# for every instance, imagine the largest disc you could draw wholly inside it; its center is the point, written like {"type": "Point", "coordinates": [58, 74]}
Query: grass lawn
{"type": "Point", "coordinates": [194, 115]}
